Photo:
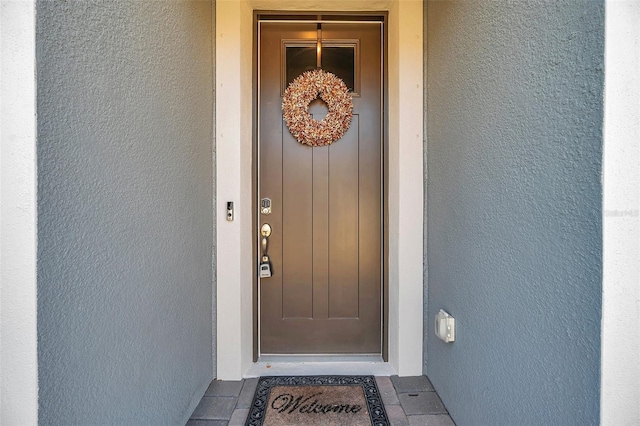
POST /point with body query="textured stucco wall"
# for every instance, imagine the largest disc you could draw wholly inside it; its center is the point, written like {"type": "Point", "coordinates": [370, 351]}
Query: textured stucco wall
{"type": "Point", "coordinates": [214, 257]}
{"type": "Point", "coordinates": [125, 226]}
{"type": "Point", "coordinates": [514, 113]}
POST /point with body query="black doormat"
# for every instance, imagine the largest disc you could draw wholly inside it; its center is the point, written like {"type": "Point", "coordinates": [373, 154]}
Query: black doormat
{"type": "Point", "coordinates": [317, 400]}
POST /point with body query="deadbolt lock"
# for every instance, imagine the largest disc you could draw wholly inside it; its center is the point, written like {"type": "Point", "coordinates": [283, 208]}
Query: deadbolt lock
{"type": "Point", "coordinates": [265, 206]}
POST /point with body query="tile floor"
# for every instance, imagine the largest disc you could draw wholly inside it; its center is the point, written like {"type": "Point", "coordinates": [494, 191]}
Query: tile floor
{"type": "Point", "coordinates": [409, 401]}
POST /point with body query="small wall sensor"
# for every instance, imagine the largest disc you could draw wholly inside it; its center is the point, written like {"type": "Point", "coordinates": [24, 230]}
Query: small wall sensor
{"type": "Point", "coordinates": [445, 326]}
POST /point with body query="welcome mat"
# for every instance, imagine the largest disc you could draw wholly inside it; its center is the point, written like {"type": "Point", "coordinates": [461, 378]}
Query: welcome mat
{"type": "Point", "coordinates": [317, 400]}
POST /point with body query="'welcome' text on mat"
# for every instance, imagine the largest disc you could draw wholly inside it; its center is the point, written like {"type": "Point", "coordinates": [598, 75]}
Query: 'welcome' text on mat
{"type": "Point", "coordinates": [317, 400]}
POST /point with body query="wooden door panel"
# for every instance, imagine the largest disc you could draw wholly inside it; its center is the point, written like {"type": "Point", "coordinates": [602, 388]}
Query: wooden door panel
{"type": "Point", "coordinates": [321, 232]}
{"type": "Point", "coordinates": [297, 229]}
{"type": "Point", "coordinates": [343, 225]}
{"type": "Point", "coordinates": [325, 294]}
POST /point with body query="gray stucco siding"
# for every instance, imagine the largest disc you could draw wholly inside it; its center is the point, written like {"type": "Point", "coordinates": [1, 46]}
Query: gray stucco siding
{"type": "Point", "coordinates": [125, 196]}
{"type": "Point", "coordinates": [514, 207]}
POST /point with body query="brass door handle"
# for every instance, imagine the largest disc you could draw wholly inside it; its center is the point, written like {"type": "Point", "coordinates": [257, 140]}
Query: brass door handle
{"type": "Point", "coordinates": [265, 231]}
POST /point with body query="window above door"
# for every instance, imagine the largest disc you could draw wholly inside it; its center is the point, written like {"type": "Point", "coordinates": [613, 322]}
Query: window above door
{"type": "Point", "coordinates": [339, 57]}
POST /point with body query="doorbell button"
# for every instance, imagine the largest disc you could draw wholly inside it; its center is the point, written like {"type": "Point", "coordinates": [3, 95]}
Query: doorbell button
{"type": "Point", "coordinates": [230, 211]}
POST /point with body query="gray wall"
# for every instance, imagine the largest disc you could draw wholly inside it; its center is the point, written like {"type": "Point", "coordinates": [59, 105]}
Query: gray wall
{"type": "Point", "coordinates": [125, 224]}
{"type": "Point", "coordinates": [514, 140]}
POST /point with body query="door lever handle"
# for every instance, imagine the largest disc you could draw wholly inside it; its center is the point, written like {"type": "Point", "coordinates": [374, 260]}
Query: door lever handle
{"type": "Point", "coordinates": [264, 246]}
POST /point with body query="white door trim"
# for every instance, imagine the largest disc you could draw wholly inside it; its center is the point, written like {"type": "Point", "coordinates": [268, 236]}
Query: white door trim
{"type": "Point", "coordinates": [18, 213]}
{"type": "Point", "coordinates": [234, 92]}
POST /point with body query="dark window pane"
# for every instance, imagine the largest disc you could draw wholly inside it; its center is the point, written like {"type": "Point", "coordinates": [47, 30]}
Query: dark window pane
{"type": "Point", "coordinates": [299, 60]}
{"type": "Point", "coordinates": [341, 62]}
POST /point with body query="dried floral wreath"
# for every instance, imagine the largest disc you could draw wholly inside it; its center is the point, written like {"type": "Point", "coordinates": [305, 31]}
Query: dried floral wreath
{"type": "Point", "coordinates": [295, 107]}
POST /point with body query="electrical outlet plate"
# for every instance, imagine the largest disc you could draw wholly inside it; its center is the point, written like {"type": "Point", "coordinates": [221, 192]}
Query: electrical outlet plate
{"type": "Point", "coordinates": [445, 327]}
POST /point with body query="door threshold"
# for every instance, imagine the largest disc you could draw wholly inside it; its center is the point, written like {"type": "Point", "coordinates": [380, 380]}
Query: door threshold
{"type": "Point", "coordinates": [320, 358]}
{"type": "Point", "coordinates": [312, 365]}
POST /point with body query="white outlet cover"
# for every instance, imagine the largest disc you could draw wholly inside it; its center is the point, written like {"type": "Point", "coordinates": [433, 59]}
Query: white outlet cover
{"type": "Point", "coordinates": [445, 327]}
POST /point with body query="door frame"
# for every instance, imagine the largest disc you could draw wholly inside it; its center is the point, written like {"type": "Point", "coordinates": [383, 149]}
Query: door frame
{"type": "Point", "coordinates": [286, 17]}
{"type": "Point", "coordinates": [234, 135]}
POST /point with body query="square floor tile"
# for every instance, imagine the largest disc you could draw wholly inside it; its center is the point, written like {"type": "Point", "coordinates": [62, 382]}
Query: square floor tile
{"type": "Point", "coordinates": [431, 420]}
{"type": "Point", "coordinates": [214, 408]}
{"type": "Point", "coordinates": [239, 417]}
{"type": "Point", "coordinates": [421, 403]}
{"type": "Point", "coordinates": [206, 423]}
{"type": "Point", "coordinates": [248, 390]}
{"type": "Point", "coordinates": [396, 415]}
{"type": "Point", "coordinates": [224, 388]}
{"type": "Point", "coordinates": [412, 384]}
{"type": "Point", "coordinates": [387, 391]}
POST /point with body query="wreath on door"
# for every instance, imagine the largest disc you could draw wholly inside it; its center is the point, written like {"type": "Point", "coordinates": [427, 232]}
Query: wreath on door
{"type": "Point", "coordinates": [295, 108]}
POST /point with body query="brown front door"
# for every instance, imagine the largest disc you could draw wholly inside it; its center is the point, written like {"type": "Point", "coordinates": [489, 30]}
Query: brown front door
{"type": "Point", "coordinates": [325, 248]}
